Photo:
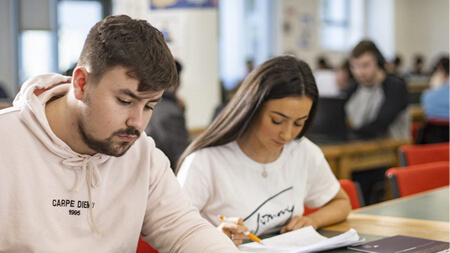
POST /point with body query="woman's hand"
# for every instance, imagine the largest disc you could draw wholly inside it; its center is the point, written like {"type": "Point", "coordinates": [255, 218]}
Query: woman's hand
{"type": "Point", "coordinates": [336, 210]}
{"type": "Point", "coordinates": [298, 222]}
{"type": "Point", "coordinates": [234, 230]}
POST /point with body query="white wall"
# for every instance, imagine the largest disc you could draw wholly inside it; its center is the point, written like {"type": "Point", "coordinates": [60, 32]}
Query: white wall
{"type": "Point", "coordinates": [421, 26]}
{"type": "Point", "coordinates": [7, 49]}
{"type": "Point", "coordinates": [194, 42]}
{"type": "Point", "coordinates": [301, 39]}
{"type": "Point", "coordinates": [379, 25]}
{"type": "Point", "coordinates": [232, 52]}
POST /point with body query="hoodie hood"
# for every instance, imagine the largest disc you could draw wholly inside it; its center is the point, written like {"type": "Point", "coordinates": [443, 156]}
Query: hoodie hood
{"type": "Point", "coordinates": [32, 98]}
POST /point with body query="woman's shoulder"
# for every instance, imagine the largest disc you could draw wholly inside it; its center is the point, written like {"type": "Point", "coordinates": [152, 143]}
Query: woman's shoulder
{"type": "Point", "coordinates": [220, 149]}
{"type": "Point", "coordinates": [205, 159]}
{"type": "Point", "coordinates": [212, 153]}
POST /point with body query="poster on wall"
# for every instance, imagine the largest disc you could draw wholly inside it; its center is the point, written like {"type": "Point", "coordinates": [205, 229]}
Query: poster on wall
{"type": "Point", "coordinates": [306, 33]}
{"type": "Point", "coordinates": [172, 27]}
{"type": "Point", "coordinates": [182, 4]}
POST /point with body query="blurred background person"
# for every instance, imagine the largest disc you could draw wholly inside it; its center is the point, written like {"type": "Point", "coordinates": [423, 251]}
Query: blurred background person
{"type": "Point", "coordinates": [168, 124]}
{"type": "Point", "coordinates": [344, 76]}
{"type": "Point", "coordinates": [394, 66]}
{"type": "Point", "coordinates": [322, 63]}
{"type": "Point", "coordinates": [417, 68]}
{"type": "Point", "coordinates": [377, 105]}
{"type": "Point", "coordinates": [376, 108]}
{"type": "Point", "coordinates": [325, 78]}
{"type": "Point", "coordinates": [435, 102]}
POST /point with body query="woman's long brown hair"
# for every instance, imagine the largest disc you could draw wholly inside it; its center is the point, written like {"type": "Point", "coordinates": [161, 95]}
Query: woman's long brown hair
{"type": "Point", "coordinates": [279, 77]}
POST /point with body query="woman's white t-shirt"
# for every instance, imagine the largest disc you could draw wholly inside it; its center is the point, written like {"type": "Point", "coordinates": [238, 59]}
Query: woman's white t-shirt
{"type": "Point", "coordinates": [222, 180]}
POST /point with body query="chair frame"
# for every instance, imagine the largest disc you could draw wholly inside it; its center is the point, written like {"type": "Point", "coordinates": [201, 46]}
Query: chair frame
{"type": "Point", "coordinates": [392, 175]}
{"type": "Point", "coordinates": [403, 152]}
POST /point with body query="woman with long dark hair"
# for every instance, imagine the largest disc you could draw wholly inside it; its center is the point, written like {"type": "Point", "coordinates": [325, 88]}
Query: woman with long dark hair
{"type": "Point", "coordinates": [253, 162]}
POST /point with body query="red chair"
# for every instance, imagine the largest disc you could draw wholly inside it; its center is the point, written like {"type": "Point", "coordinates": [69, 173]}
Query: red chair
{"type": "Point", "coordinates": [144, 247]}
{"type": "Point", "coordinates": [433, 131]}
{"type": "Point", "coordinates": [418, 178]}
{"type": "Point", "coordinates": [353, 191]}
{"type": "Point", "coordinates": [424, 153]}
{"type": "Point", "coordinates": [415, 128]}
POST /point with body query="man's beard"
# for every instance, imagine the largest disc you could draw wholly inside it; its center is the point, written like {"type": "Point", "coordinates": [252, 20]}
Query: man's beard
{"type": "Point", "coordinates": [107, 146]}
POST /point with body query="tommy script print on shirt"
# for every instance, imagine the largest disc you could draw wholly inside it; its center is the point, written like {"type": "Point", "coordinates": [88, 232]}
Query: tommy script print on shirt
{"type": "Point", "coordinates": [265, 216]}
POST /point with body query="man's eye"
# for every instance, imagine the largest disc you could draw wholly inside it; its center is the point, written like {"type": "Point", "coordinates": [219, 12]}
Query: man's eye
{"type": "Point", "coordinates": [123, 101]}
{"type": "Point", "coordinates": [148, 107]}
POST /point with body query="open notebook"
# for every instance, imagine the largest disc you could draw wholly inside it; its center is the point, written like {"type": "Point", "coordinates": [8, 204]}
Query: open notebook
{"type": "Point", "coordinates": [302, 240]}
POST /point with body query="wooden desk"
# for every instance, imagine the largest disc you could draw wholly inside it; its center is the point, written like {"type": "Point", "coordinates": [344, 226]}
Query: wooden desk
{"type": "Point", "coordinates": [4, 105]}
{"type": "Point", "coordinates": [417, 113]}
{"type": "Point", "coordinates": [362, 155]}
{"type": "Point", "coordinates": [394, 217]}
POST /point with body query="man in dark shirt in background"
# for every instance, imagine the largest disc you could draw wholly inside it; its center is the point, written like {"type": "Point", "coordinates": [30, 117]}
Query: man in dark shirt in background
{"type": "Point", "coordinates": [377, 105]}
{"type": "Point", "coordinates": [376, 108]}
{"type": "Point", "coordinates": [168, 125]}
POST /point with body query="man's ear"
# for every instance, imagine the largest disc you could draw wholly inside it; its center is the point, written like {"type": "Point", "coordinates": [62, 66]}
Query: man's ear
{"type": "Point", "coordinates": [79, 81]}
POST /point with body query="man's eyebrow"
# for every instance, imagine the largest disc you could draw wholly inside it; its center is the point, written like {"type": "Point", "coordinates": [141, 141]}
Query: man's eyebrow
{"type": "Point", "coordinates": [287, 117]}
{"type": "Point", "coordinates": [138, 98]}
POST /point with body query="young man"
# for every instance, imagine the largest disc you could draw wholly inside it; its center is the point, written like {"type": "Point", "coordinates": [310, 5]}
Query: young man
{"type": "Point", "coordinates": [377, 104]}
{"type": "Point", "coordinates": [77, 175]}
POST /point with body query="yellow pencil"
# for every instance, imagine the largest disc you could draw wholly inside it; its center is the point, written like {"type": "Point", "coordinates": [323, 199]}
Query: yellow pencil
{"type": "Point", "coordinates": [250, 235]}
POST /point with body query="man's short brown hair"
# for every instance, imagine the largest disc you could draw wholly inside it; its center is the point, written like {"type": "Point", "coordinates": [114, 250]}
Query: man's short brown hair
{"type": "Point", "coordinates": [133, 44]}
{"type": "Point", "coordinates": [368, 46]}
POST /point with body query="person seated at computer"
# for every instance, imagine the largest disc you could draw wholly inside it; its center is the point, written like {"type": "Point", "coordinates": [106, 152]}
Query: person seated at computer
{"type": "Point", "coordinates": [394, 66]}
{"type": "Point", "coordinates": [377, 105]}
{"type": "Point", "coordinates": [253, 163]}
{"type": "Point", "coordinates": [436, 105]}
{"type": "Point", "coordinates": [417, 69]}
{"type": "Point", "coordinates": [344, 76]}
{"type": "Point", "coordinates": [168, 124]}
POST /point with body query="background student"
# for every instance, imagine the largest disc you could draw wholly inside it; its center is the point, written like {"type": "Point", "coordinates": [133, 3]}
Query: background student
{"type": "Point", "coordinates": [377, 105]}
{"type": "Point", "coordinates": [168, 125]}
{"type": "Point", "coordinates": [435, 102]}
{"type": "Point", "coordinates": [253, 162]}
{"type": "Point", "coordinates": [76, 174]}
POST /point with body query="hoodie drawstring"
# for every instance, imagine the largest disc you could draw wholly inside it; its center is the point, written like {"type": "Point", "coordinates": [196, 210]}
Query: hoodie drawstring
{"type": "Point", "coordinates": [90, 172]}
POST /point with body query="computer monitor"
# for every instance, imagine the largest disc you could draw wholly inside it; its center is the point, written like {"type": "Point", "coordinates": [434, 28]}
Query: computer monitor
{"type": "Point", "coordinates": [330, 121]}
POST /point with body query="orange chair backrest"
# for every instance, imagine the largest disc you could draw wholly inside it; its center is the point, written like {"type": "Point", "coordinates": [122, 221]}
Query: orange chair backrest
{"type": "Point", "coordinates": [418, 178]}
{"type": "Point", "coordinates": [144, 247]}
{"type": "Point", "coordinates": [424, 153]}
{"type": "Point", "coordinates": [350, 188]}
{"type": "Point", "coordinates": [352, 192]}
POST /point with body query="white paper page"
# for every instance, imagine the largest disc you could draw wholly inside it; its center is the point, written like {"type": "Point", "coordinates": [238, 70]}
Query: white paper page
{"type": "Point", "coordinates": [303, 240]}
{"type": "Point", "coordinates": [348, 238]}
{"type": "Point", "coordinates": [287, 242]}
